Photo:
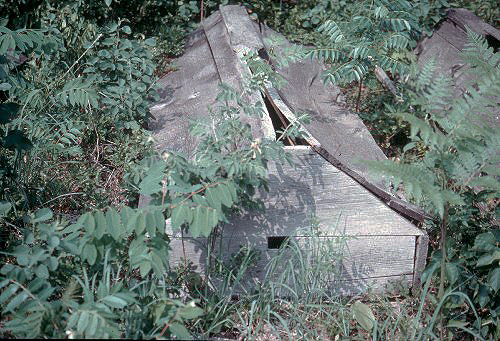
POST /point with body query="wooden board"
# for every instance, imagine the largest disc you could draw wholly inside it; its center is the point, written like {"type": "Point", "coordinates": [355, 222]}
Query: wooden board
{"type": "Point", "coordinates": [335, 132]}
{"type": "Point", "coordinates": [188, 92]}
{"type": "Point", "coordinates": [364, 263]}
{"type": "Point", "coordinates": [316, 188]}
{"type": "Point", "coordinates": [382, 244]}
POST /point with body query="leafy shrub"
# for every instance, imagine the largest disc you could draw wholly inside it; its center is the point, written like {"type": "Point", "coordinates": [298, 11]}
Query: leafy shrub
{"type": "Point", "coordinates": [229, 163]}
{"type": "Point", "coordinates": [101, 277]}
{"type": "Point", "coordinates": [127, 251]}
{"type": "Point", "coordinates": [71, 114]}
{"type": "Point", "coordinates": [372, 36]}
{"type": "Point", "coordinates": [73, 99]}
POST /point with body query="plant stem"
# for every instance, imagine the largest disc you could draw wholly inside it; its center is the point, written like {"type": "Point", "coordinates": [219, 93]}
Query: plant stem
{"type": "Point", "coordinates": [444, 223]}
{"type": "Point", "coordinates": [359, 95]}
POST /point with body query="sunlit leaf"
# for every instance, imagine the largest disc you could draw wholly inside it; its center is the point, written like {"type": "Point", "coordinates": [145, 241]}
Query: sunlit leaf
{"type": "Point", "coordinates": [363, 315]}
{"type": "Point", "coordinates": [114, 302]}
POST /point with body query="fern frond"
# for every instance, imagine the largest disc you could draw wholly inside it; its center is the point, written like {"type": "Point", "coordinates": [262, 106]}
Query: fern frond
{"type": "Point", "coordinates": [470, 113]}
{"type": "Point", "coordinates": [396, 24]}
{"type": "Point", "coordinates": [345, 73]}
{"type": "Point", "coordinates": [381, 12]}
{"type": "Point", "coordinates": [479, 54]}
{"type": "Point", "coordinates": [361, 23]}
{"type": "Point", "coordinates": [393, 65]}
{"type": "Point", "coordinates": [423, 129]}
{"type": "Point", "coordinates": [423, 76]}
{"type": "Point", "coordinates": [462, 143]}
{"type": "Point", "coordinates": [439, 198]}
{"type": "Point", "coordinates": [78, 91]}
{"type": "Point", "coordinates": [361, 52]}
{"type": "Point", "coordinates": [438, 95]}
{"type": "Point", "coordinates": [420, 182]}
{"type": "Point", "coordinates": [486, 182]}
{"type": "Point", "coordinates": [327, 54]}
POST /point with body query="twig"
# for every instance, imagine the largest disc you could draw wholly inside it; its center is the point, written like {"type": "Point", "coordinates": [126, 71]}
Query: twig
{"type": "Point", "coordinates": [359, 94]}
{"type": "Point", "coordinates": [164, 329]}
{"type": "Point", "coordinates": [83, 54]}
{"type": "Point", "coordinates": [62, 195]}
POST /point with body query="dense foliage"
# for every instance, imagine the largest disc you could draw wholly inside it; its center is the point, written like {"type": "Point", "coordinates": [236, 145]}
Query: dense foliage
{"type": "Point", "coordinates": [80, 260]}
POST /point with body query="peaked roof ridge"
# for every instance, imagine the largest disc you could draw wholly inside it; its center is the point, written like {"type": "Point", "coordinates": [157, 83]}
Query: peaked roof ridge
{"type": "Point", "coordinates": [214, 54]}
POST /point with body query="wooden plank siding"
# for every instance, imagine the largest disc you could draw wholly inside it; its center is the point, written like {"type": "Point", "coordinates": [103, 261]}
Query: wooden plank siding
{"type": "Point", "coordinates": [315, 196]}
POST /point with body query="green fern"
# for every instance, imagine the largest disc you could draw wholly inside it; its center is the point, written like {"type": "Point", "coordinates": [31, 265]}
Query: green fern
{"type": "Point", "coordinates": [462, 146]}
{"type": "Point", "coordinates": [79, 91]}
{"type": "Point", "coordinates": [478, 53]}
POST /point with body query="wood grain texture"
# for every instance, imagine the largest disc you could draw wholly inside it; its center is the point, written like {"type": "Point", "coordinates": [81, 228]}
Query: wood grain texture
{"type": "Point", "coordinates": [370, 242]}
{"type": "Point", "coordinates": [420, 260]}
{"type": "Point", "coordinates": [346, 262]}
{"type": "Point", "coordinates": [445, 47]}
{"type": "Point", "coordinates": [316, 189]}
{"type": "Point", "coordinates": [334, 131]}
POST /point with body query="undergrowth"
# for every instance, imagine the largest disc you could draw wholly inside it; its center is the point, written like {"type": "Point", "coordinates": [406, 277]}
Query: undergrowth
{"type": "Point", "coordinates": [76, 81]}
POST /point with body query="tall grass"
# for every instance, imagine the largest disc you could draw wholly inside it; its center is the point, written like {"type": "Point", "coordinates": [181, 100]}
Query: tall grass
{"type": "Point", "coordinates": [299, 298]}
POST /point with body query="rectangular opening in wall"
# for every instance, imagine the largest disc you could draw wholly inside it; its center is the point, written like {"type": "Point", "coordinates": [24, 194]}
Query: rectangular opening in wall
{"type": "Point", "coordinates": [276, 242]}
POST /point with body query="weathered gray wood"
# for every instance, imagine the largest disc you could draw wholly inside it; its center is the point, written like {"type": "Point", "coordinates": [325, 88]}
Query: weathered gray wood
{"type": "Point", "coordinates": [404, 208]}
{"type": "Point", "coordinates": [335, 133]}
{"type": "Point", "coordinates": [315, 187]}
{"type": "Point", "coordinates": [220, 48]}
{"type": "Point", "coordinates": [240, 28]}
{"type": "Point", "coordinates": [188, 92]}
{"type": "Point", "coordinates": [185, 94]}
{"type": "Point", "coordinates": [226, 45]}
{"type": "Point", "coordinates": [465, 18]}
{"type": "Point", "coordinates": [332, 124]}
{"type": "Point", "coordinates": [407, 210]}
{"type": "Point", "coordinates": [420, 260]}
{"type": "Point", "coordinates": [315, 196]}
{"type": "Point", "coordinates": [364, 262]}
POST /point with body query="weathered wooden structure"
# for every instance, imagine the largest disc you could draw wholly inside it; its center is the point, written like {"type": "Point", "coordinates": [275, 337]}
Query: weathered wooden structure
{"type": "Point", "coordinates": [330, 181]}
{"type": "Point", "coordinates": [445, 45]}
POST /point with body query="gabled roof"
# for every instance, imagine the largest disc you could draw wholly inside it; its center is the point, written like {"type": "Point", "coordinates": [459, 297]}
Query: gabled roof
{"type": "Point", "coordinates": [212, 56]}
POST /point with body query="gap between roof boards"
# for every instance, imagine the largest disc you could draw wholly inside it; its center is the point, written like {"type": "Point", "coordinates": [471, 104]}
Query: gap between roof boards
{"type": "Point", "coordinates": [280, 120]}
